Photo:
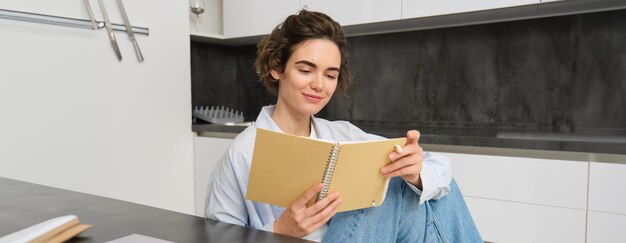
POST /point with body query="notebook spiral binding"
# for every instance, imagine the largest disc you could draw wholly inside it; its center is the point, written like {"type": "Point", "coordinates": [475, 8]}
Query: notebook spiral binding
{"type": "Point", "coordinates": [329, 171]}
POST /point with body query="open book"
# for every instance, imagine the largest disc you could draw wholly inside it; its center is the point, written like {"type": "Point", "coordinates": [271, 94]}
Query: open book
{"type": "Point", "coordinates": [54, 230]}
{"type": "Point", "coordinates": [285, 166]}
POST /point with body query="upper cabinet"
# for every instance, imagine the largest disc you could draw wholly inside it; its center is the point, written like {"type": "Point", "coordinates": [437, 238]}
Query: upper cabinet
{"type": "Point", "coordinates": [427, 8]}
{"type": "Point", "coordinates": [240, 22]}
{"type": "Point", "coordinates": [352, 12]}
{"type": "Point", "coordinates": [244, 18]}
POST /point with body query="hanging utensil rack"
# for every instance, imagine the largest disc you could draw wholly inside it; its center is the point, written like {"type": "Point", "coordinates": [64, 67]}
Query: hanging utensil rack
{"type": "Point", "coordinates": [65, 21]}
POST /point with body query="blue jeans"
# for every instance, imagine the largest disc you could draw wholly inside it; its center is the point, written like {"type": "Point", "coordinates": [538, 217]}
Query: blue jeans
{"type": "Point", "coordinates": [402, 219]}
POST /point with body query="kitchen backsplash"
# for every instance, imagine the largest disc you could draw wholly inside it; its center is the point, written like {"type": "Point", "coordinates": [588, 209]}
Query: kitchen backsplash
{"type": "Point", "coordinates": [225, 76]}
{"type": "Point", "coordinates": [551, 74]}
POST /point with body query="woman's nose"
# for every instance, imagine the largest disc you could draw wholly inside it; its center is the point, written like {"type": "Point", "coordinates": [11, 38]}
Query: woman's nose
{"type": "Point", "coordinates": [317, 82]}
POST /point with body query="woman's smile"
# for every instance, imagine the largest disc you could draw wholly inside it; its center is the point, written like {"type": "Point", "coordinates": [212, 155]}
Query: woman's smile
{"type": "Point", "coordinates": [312, 98]}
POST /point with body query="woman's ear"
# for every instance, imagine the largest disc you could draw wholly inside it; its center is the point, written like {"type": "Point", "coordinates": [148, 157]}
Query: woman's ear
{"type": "Point", "coordinates": [275, 74]}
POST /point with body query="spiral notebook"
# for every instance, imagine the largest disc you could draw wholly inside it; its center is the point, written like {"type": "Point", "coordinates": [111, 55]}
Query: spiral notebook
{"type": "Point", "coordinates": [284, 166]}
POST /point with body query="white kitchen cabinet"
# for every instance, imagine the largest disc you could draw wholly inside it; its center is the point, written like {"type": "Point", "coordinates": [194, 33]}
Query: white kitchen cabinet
{"type": "Point", "coordinates": [559, 183]}
{"type": "Point", "coordinates": [607, 187]}
{"type": "Point", "coordinates": [606, 227]}
{"type": "Point", "coordinates": [503, 221]}
{"type": "Point", "coordinates": [207, 152]}
{"type": "Point", "coordinates": [521, 199]}
{"type": "Point", "coordinates": [242, 22]}
{"type": "Point", "coordinates": [607, 203]}
{"type": "Point", "coordinates": [427, 8]}
{"type": "Point", "coordinates": [244, 18]}
{"type": "Point", "coordinates": [357, 12]}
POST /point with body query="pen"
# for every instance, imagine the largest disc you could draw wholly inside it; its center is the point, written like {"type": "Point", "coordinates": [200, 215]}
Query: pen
{"type": "Point", "coordinates": [398, 148]}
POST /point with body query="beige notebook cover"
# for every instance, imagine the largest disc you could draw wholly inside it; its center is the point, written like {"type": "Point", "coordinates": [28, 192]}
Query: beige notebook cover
{"type": "Point", "coordinates": [284, 166]}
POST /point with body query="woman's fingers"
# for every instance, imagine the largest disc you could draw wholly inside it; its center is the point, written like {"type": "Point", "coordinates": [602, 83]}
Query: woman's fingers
{"type": "Point", "coordinates": [411, 154]}
{"type": "Point", "coordinates": [307, 196]}
{"type": "Point", "coordinates": [321, 204]}
{"type": "Point", "coordinates": [412, 137]}
{"type": "Point", "coordinates": [323, 216]}
{"type": "Point", "coordinates": [412, 170]}
{"type": "Point", "coordinates": [406, 151]}
{"type": "Point", "coordinates": [322, 209]}
{"type": "Point", "coordinates": [406, 162]}
{"type": "Point", "coordinates": [398, 165]}
{"type": "Point", "coordinates": [299, 220]}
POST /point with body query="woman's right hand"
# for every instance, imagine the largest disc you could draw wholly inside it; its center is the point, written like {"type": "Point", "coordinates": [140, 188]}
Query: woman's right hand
{"type": "Point", "coordinates": [298, 220]}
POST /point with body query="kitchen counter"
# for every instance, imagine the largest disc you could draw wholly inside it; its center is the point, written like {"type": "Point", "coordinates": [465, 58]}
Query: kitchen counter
{"type": "Point", "coordinates": [24, 204]}
{"type": "Point", "coordinates": [477, 137]}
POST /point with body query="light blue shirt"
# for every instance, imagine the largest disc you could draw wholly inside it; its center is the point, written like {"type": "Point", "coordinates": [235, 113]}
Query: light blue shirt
{"type": "Point", "coordinates": [226, 191]}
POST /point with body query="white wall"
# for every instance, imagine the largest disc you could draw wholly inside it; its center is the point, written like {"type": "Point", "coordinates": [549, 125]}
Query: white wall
{"type": "Point", "coordinates": [73, 116]}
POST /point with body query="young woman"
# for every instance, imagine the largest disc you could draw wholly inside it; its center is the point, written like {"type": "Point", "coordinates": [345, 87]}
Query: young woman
{"type": "Point", "coordinates": [304, 61]}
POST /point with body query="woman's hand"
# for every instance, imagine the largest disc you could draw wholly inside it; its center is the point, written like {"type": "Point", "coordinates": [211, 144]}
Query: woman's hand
{"type": "Point", "coordinates": [298, 220]}
{"type": "Point", "coordinates": [407, 163]}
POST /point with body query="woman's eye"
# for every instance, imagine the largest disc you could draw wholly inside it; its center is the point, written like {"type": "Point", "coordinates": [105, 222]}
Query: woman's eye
{"type": "Point", "coordinates": [304, 71]}
{"type": "Point", "coordinates": [331, 77]}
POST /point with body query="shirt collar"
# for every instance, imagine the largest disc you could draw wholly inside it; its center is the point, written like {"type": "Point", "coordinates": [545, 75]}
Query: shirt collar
{"type": "Point", "coordinates": [264, 120]}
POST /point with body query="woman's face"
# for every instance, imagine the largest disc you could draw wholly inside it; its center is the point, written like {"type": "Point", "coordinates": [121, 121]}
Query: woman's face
{"type": "Point", "coordinates": [310, 77]}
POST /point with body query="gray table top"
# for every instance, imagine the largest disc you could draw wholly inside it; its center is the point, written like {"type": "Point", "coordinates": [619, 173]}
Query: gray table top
{"type": "Point", "coordinates": [24, 204]}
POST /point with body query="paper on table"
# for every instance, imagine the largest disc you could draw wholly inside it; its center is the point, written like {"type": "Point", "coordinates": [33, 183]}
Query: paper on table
{"type": "Point", "coordinates": [137, 238]}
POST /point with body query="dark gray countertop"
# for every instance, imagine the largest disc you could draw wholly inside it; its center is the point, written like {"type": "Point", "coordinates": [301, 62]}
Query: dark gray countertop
{"type": "Point", "coordinates": [24, 204]}
{"type": "Point", "coordinates": [480, 137]}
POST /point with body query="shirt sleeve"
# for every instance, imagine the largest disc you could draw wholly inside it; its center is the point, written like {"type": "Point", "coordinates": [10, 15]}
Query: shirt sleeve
{"type": "Point", "coordinates": [436, 177]}
{"type": "Point", "coordinates": [223, 200]}
{"type": "Point", "coordinates": [316, 235]}
{"type": "Point", "coordinates": [268, 227]}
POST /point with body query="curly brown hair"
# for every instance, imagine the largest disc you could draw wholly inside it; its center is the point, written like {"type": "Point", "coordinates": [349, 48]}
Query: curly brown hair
{"type": "Point", "coordinates": [275, 49]}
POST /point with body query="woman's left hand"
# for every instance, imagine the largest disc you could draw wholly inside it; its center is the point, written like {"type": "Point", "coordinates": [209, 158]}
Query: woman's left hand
{"type": "Point", "coordinates": [407, 163]}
